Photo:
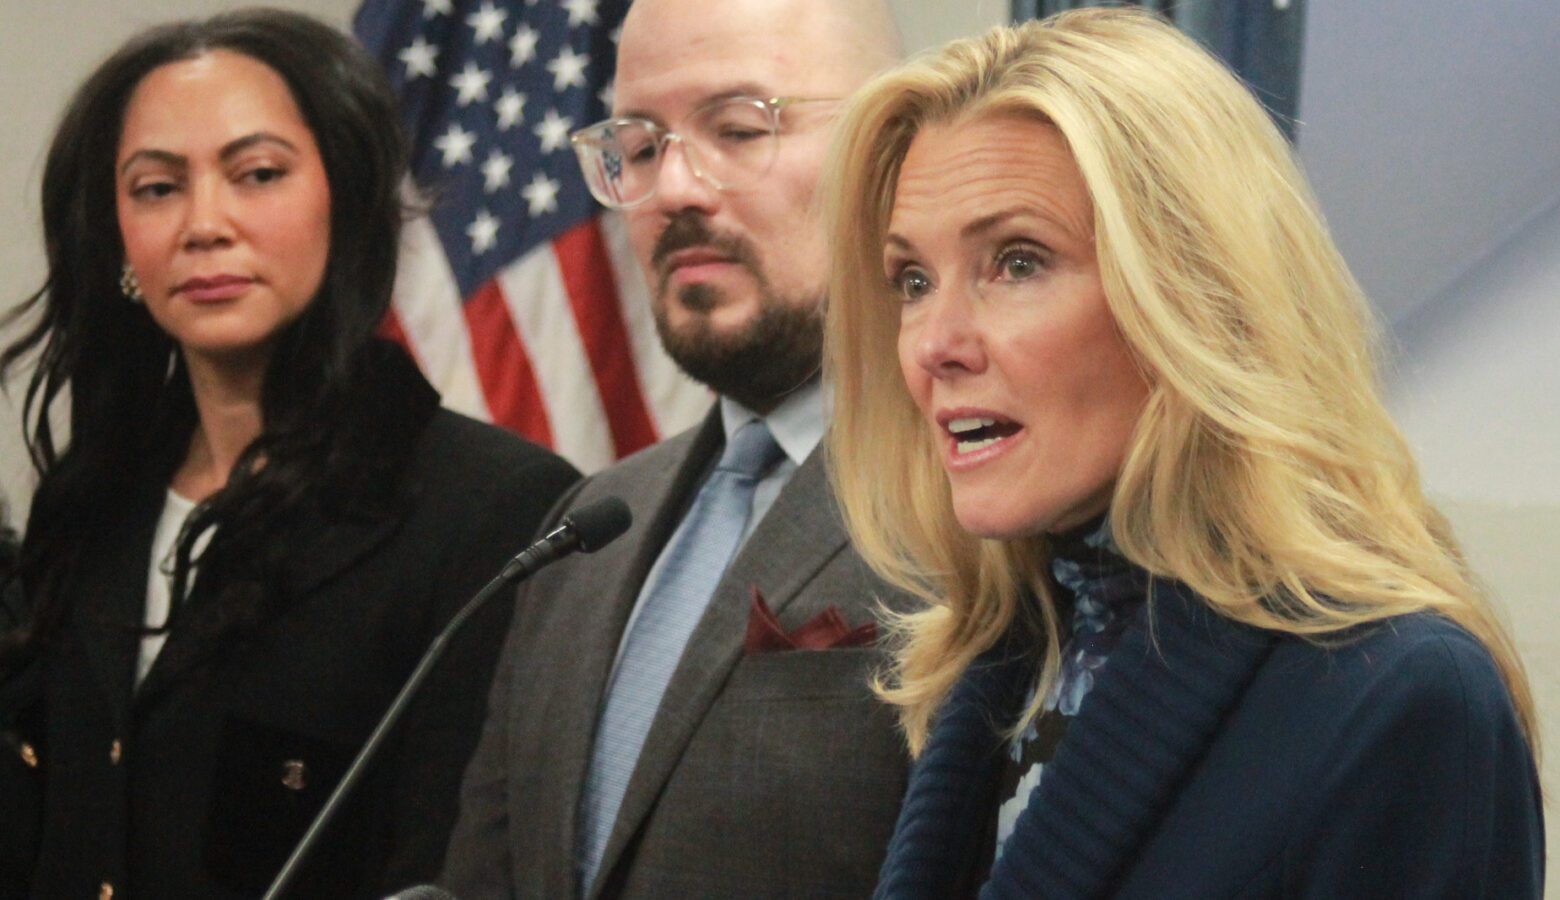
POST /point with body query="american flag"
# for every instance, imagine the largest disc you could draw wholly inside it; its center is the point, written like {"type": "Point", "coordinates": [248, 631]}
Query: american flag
{"type": "Point", "coordinates": [517, 294]}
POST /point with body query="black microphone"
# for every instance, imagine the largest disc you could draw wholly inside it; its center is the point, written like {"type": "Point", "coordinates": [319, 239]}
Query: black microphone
{"type": "Point", "coordinates": [586, 529]}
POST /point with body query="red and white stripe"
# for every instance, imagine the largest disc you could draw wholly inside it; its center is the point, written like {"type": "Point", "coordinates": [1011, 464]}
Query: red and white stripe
{"type": "Point", "coordinates": [559, 346]}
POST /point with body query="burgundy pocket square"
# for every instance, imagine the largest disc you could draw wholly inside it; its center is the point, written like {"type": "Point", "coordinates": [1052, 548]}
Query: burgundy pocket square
{"type": "Point", "coordinates": [827, 630]}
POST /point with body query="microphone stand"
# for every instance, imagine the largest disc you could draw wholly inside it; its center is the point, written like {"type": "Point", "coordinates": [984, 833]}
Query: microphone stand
{"type": "Point", "coordinates": [599, 523]}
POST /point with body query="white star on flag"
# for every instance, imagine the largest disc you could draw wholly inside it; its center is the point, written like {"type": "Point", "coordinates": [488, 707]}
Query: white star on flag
{"type": "Point", "coordinates": [471, 84]}
{"type": "Point", "coordinates": [495, 172]}
{"type": "Point", "coordinates": [483, 232]}
{"type": "Point", "coordinates": [541, 194]}
{"type": "Point", "coordinates": [581, 12]}
{"type": "Point", "coordinates": [514, 253]}
{"type": "Point", "coordinates": [522, 47]}
{"type": "Point", "coordinates": [553, 131]}
{"type": "Point", "coordinates": [419, 59]}
{"type": "Point", "coordinates": [568, 68]}
{"type": "Point", "coordinates": [455, 145]}
{"type": "Point", "coordinates": [487, 22]}
{"type": "Point", "coordinates": [510, 106]}
{"type": "Point", "coordinates": [605, 95]}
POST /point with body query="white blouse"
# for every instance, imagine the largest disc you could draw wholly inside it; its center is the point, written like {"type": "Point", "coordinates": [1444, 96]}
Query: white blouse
{"type": "Point", "coordinates": [159, 577]}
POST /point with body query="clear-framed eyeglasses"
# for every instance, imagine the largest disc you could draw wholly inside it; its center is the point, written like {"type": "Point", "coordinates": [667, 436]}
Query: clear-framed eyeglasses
{"type": "Point", "coordinates": [730, 143]}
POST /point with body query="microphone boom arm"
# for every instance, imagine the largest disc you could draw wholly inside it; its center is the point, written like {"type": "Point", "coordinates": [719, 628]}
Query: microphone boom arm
{"type": "Point", "coordinates": [587, 529]}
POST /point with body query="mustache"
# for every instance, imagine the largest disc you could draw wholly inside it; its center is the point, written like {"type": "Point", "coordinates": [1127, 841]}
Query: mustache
{"type": "Point", "coordinates": [692, 229]}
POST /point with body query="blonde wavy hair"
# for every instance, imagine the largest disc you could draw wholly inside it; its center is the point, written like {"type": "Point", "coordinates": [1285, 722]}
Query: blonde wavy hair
{"type": "Point", "coordinates": [1264, 473]}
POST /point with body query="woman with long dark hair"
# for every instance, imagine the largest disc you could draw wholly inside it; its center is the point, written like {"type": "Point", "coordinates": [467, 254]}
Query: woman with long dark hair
{"type": "Point", "coordinates": [260, 515]}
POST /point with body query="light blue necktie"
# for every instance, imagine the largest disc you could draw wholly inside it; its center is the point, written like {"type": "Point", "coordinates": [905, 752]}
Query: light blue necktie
{"type": "Point", "coordinates": [692, 567]}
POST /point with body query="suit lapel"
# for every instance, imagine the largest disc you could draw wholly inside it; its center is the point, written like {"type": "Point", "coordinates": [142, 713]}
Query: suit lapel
{"type": "Point", "coordinates": [562, 682]}
{"type": "Point", "coordinates": [798, 535]}
{"type": "Point", "coordinates": [319, 551]}
{"type": "Point", "coordinates": [801, 532]}
{"type": "Point", "coordinates": [113, 575]}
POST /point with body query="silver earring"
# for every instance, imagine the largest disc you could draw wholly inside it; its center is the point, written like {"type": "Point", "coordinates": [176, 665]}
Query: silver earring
{"type": "Point", "coordinates": [130, 286]}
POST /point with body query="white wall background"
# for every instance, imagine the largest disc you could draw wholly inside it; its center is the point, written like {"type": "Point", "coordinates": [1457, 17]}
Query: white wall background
{"type": "Point", "coordinates": [1430, 131]}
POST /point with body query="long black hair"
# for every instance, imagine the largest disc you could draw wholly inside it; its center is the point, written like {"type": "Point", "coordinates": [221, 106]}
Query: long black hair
{"type": "Point", "coordinates": [132, 411]}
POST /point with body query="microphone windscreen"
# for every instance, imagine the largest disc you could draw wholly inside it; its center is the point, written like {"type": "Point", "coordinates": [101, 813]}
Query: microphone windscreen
{"type": "Point", "coordinates": [599, 523]}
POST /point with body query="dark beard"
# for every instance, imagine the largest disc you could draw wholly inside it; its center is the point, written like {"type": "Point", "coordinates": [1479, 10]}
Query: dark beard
{"type": "Point", "coordinates": [777, 352]}
{"type": "Point", "coordinates": [771, 356]}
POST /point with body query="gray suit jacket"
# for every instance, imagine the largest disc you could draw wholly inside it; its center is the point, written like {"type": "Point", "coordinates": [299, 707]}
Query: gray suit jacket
{"type": "Point", "coordinates": [766, 775]}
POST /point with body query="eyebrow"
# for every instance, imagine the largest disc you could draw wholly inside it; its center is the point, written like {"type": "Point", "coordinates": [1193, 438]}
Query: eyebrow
{"type": "Point", "coordinates": [979, 226]}
{"type": "Point", "coordinates": [746, 89]}
{"type": "Point", "coordinates": [992, 221]}
{"type": "Point", "coordinates": [985, 224]}
{"type": "Point", "coordinates": [229, 150]}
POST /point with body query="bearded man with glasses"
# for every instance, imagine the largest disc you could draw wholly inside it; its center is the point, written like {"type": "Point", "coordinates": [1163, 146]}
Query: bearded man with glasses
{"type": "Point", "coordinates": [687, 712]}
{"type": "Point", "coordinates": [728, 148]}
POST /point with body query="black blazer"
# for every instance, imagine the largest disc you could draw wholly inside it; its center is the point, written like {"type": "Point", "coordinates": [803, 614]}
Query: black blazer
{"type": "Point", "coordinates": [198, 783]}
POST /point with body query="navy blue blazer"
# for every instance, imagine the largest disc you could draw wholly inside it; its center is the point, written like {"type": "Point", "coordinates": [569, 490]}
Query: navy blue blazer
{"type": "Point", "coordinates": [1215, 760]}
